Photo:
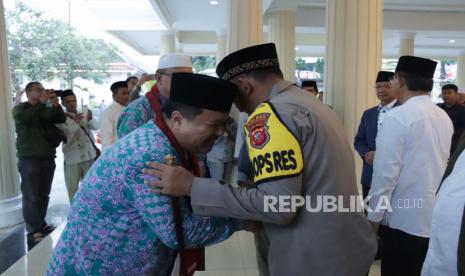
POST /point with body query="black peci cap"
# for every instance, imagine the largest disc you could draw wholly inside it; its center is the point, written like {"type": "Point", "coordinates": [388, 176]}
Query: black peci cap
{"type": "Point", "coordinates": [248, 59]}
{"type": "Point", "coordinates": [422, 67]}
{"type": "Point", "coordinates": [202, 91]}
{"type": "Point", "coordinates": [384, 76]}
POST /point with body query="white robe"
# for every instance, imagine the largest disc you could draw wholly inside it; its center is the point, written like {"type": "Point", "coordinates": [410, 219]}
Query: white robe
{"type": "Point", "coordinates": [441, 259]}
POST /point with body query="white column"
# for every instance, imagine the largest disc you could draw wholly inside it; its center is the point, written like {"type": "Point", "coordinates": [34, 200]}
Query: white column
{"type": "Point", "coordinates": [167, 43]}
{"type": "Point", "coordinates": [461, 71]}
{"type": "Point", "coordinates": [407, 44]}
{"type": "Point", "coordinates": [245, 28]}
{"type": "Point", "coordinates": [282, 32]}
{"type": "Point", "coordinates": [245, 24]}
{"type": "Point", "coordinates": [353, 58]}
{"type": "Point", "coordinates": [10, 193]}
{"type": "Point", "coordinates": [220, 46]}
{"type": "Point", "coordinates": [179, 48]}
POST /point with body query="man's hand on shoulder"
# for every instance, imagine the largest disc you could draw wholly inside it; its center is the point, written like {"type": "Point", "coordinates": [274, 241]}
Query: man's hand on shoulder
{"type": "Point", "coordinates": [172, 180]}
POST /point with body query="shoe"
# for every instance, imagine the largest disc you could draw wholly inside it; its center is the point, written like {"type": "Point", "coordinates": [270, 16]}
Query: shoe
{"type": "Point", "coordinates": [35, 238]}
{"type": "Point", "coordinates": [47, 229]}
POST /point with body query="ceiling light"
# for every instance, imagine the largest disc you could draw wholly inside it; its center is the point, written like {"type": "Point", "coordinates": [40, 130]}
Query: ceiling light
{"type": "Point", "coordinates": [452, 41]}
{"type": "Point", "coordinates": [213, 2]}
{"type": "Point", "coordinates": [296, 48]}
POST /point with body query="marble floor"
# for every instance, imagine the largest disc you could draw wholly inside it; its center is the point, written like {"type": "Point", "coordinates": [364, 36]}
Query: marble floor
{"type": "Point", "coordinates": [234, 257]}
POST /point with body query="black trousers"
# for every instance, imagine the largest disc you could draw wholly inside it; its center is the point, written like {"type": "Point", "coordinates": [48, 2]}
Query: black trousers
{"type": "Point", "coordinates": [36, 183]}
{"type": "Point", "coordinates": [365, 191]}
{"type": "Point", "coordinates": [403, 254]}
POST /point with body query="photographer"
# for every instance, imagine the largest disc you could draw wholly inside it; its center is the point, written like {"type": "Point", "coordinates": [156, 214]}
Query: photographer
{"type": "Point", "coordinates": [79, 150]}
{"type": "Point", "coordinates": [36, 143]}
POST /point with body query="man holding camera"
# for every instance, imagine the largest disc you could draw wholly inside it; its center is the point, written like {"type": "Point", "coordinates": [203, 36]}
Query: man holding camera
{"type": "Point", "coordinates": [36, 143]}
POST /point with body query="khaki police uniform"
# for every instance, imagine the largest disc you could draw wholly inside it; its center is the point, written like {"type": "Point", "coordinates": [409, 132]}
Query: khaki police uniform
{"type": "Point", "coordinates": [297, 146]}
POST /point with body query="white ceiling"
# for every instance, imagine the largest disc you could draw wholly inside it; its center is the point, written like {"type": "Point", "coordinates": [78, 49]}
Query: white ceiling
{"type": "Point", "coordinates": [125, 15]}
{"type": "Point", "coordinates": [140, 40]}
{"type": "Point", "coordinates": [197, 14]}
{"type": "Point", "coordinates": [140, 23]}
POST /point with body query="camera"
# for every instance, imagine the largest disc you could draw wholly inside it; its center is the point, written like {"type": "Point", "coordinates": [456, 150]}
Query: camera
{"type": "Point", "coordinates": [57, 94]}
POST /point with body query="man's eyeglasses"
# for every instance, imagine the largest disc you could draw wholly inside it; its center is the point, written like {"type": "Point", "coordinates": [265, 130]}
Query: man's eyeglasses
{"type": "Point", "coordinates": [165, 74]}
{"type": "Point", "coordinates": [386, 85]}
{"type": "Point", "coordinates": [391, 79]}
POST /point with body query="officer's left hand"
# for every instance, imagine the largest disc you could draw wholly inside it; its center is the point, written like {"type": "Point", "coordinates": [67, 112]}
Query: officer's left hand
{"type": "Point", "coordinates": [173, 180]}
{"type": "Point", "coordinates": [253, 226]}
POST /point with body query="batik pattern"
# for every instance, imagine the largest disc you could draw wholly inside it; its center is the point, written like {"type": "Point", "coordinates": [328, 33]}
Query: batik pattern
{"type": "Point", "coordinates": [134, 115]}
{"type": "Point", "coordinates": [118, 226]}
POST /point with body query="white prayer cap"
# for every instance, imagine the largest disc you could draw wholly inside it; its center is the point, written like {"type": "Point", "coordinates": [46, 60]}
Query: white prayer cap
{"type": "Point", "coordinates": [462, 91]}
{"type": "Point", "coordinates": [174, 60]}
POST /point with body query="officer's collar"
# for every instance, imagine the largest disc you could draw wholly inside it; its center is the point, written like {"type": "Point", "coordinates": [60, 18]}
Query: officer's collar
{"type": "Point", "coordinates": [280, 87]}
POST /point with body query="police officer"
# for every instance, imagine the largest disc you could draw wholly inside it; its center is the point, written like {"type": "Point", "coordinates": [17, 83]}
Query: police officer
{"type": "Point", "coordinates": [297, 147]}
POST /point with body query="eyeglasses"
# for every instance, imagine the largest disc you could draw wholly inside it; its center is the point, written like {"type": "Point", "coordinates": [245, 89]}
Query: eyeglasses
{"type": "Point", "coordinates": [391, 79]}
{"type": "Point", "coordinates": [386, 85]}
{"type": "Point", "coordinates": [165, 74]}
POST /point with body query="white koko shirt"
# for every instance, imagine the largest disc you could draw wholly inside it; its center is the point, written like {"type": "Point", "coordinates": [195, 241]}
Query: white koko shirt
{"type": "Point", "coordinates": [412, 149]}
{"type": "Point", "coordinates": [78, 147]}
{"type": "Point", "coordinates": [383, 110]}
{"type": "Point", "coordinates": [108, 122]}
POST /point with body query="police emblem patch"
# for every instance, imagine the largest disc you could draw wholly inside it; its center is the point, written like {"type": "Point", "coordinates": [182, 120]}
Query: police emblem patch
{"type": "Point", "coordinates": [258, 130]}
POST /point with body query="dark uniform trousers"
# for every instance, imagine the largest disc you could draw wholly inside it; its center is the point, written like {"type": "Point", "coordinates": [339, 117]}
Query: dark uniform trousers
{"type": "Point", "coordinates": [36, 183]}
{"type": "Point", "coordinates": [403, 254]}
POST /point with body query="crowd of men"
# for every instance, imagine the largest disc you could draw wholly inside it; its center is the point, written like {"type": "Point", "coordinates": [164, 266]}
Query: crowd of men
{"type": "Point", "coordinates": [155, 197]}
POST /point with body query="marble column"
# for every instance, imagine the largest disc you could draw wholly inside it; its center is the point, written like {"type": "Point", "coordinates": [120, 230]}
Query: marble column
{"type": "Point", "coordinates": [179, 48]}
{"type": "Point", "coordinates": [407, 44]}
{"type": "Point", "coordinates": [282, 32]}
{"type": "Point", "coordinates": [10, 193]}
{"type": "Point", "coordinates": [220, 46]}
{"type": "Point", "coordinates": [167, 43]}
{"type": "Point", "coordinates": [353, 59]}
{"type": "Point", "coordinates": [245, 28]}
{"type": "Point", "coordinates": [245, 24]}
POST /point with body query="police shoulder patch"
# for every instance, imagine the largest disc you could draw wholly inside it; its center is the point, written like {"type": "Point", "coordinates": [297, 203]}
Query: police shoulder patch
{"type": "Point", "coordinates": [258, 130]}
{"type": "Point", "coordinates": [274, 151]}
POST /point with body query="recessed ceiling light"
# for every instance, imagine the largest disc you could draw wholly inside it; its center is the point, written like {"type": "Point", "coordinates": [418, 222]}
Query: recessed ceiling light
{"type": "Point", "coordinates": [452, 41]}
{"type": "Point", "coordinates": [213, 2]}
{"type": "Point", "coordinates": [296, 48]}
